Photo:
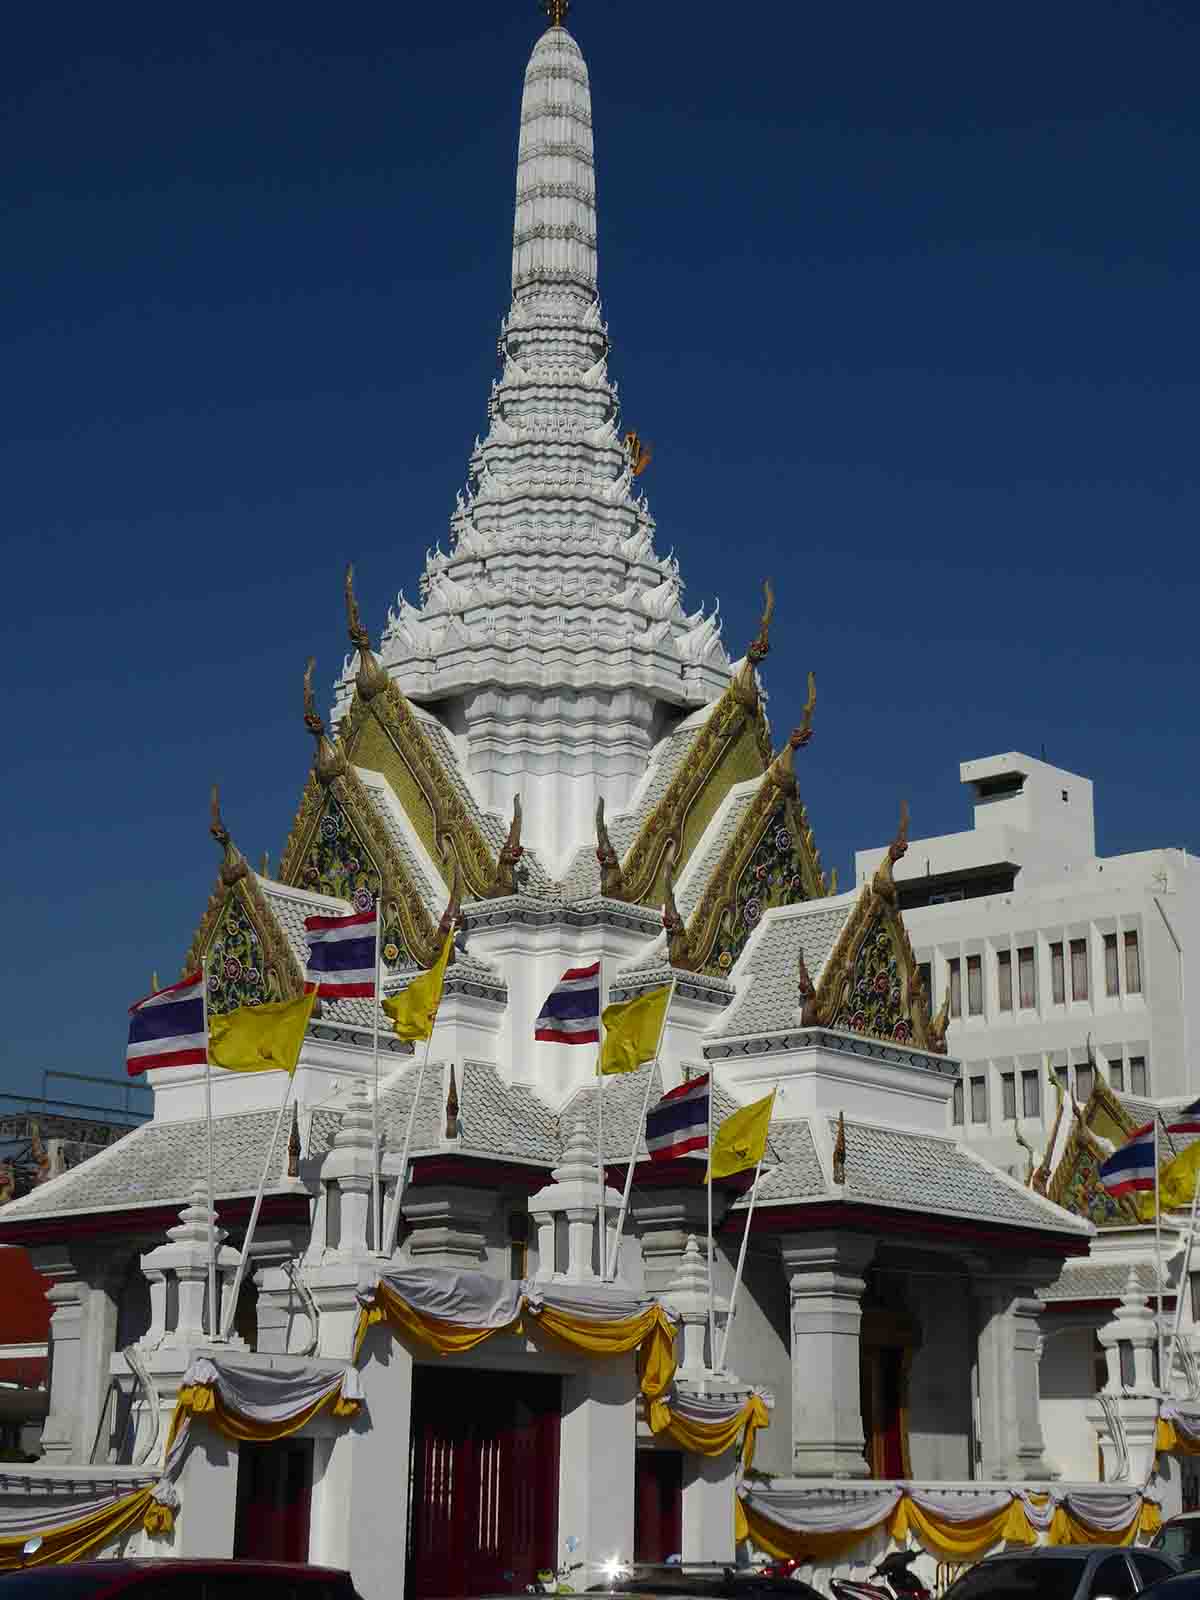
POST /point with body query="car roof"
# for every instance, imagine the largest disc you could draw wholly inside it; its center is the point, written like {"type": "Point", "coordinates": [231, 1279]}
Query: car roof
{"type": "Point", "coordinates": [199, 1564]}
{"type": "Point", "coordinates": [1054, 1552]}
{"type": "Point", "coordinates": [1183, 1516]}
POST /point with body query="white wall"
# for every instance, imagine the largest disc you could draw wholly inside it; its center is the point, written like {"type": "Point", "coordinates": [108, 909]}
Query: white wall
{"type": "Point", "coordinates": [1067, 1374]}
{"type": "Point", "coordinates": [939, 1384]}
{"type": "Point", "coordinates": [760, 1343]}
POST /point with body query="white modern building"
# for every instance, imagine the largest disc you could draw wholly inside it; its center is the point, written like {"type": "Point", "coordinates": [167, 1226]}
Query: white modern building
{"type": "Point", "coordinates": [1041, 945]}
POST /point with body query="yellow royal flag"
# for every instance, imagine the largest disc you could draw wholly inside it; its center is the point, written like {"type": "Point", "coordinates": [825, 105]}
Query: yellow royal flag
{"type": "Point", "coordinates": [632, 1031]}
{"type": "Point", "coordinates": [1176, 1183]}
{"type": "Point", "coordinates": [414, 1009]}
{"type": "Point", "coordinates": [260, 1038]}
{"type": "Point", "coordinates": [741, 1139]}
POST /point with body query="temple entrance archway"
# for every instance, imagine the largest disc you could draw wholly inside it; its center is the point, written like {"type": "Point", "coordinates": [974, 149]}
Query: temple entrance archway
{"type": "Point", "coordinates": [483, 1481]}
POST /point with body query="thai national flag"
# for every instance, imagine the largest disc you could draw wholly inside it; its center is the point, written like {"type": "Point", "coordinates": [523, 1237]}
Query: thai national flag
{"type": "Point", "coordinates": [1189, 1120]}
{"type": "Point", "coordinates": [341, 956]}
{"type": "Point", "coordinates": [1132, 1166]}
{"type": "Point", "coordinates": [679, 1122]}
{"type": "Point", "coordinates": [166, 1029]}
{"type": "Point", "coordinates": [571, 1014]}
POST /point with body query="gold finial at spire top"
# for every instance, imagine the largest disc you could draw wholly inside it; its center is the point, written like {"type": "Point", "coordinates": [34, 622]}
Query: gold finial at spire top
{"type": "Point", "coordinates": [556, 10]}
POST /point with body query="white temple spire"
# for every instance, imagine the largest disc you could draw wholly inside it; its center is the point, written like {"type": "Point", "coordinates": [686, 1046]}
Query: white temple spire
{"type": "Point", "coordinates": [554, 235]}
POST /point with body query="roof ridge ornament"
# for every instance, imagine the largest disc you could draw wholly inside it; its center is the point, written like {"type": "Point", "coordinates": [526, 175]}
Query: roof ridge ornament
{"type": "Point", "coordinates": [234, 865]}
{"type": "Point", "coordinates": [511, 851]}
{"type": "Point", "coordinates": [761, 644]}
{"type": "Point", "coordinates": [884, 883]}
{"type": "Point", "coordinates": [371, 679]}
{"type": "Point", "coordinates": [611, 883]}
{"type": "Point", "coordinates": [679, 946]}
{"type": "Point", "coordinates": [781, 772]}
{"type": "Point", "coordinates": [330, 761]}
{"type": "Point", "coordinates": [810, 1017]}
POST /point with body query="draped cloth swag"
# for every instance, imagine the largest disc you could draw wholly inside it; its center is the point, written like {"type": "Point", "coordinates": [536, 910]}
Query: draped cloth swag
{"type": "Point", "coordinates": [960, 1525]}
{"type": "Point", "coordinates": [452, 1311]}
{"type": "Point", "coordinates": [1178, 1430]}
{"type": "Point", "coordinates": [243, 1399]}
{"type": "Point", "coordinates": [710, 1427]}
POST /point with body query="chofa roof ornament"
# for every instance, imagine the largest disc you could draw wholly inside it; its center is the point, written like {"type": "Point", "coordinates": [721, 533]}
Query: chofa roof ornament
{"type": "Point", "coordinates": [745, 686]}
{"type": "Point", "coordinates": [371, 679]}
{"type": "Point", "coordinates": [330, 761]}
{"type": "Point", "coordinates": [611, 885]}
{"type": "Point", "coordinates": [884, 883]}
{"type": "Point", "coordinates": [234, 865]}
{"type": "Point", "coordinates": [781, 771]}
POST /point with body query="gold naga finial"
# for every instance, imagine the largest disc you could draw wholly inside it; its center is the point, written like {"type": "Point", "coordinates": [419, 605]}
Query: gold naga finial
{"type": "Point", "coordinates": [1031, 1164]}
{"type": "Point", "coordinates": [679, 946]}
{"type": "Point", "coordinates": [293, 1145]}
{"type": "Point", "coordinates": [452, 916]}
{"type": "Point", "coordinates": [808, 994]}
{"type": "Point", "coordinates": [937, 1028]}
{"type": "Point", "coordinates": [233, 866]}
{"type": "Point", "coordinates": [839, 1151]}
{"type": "Point", "coordinates": [452, 1107]}
{"type": "Point", "coordinates": [556, 10]}
{"type": "Point", "coordinates": [330, 761]}
{"type": "Point", "coordinates": [611, 883]}
{"type": "Point", "coordinates": [371, 679]}
{"type": "Point", "coordinates": [504, 881]}
{"type": "Point", "coordinates": [781, 771]}
{"type": "Point", "coordinates": [800, 736]}
{"type": "Point", "coordinates": [883, 882]}
{"type": "Point", "coordinates": [761, 643]}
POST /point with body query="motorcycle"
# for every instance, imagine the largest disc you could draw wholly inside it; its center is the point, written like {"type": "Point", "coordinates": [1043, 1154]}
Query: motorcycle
{"type": "Point", "coordinates": [894, 1571]}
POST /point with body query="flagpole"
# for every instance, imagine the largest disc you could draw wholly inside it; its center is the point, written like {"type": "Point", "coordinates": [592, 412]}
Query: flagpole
{"type": "Point", "coordinates": [712, 1302]}
{"type": "Point", "coordinates": [213, 1312]}
{"type": "Point", "coordinates": [639, 1129]}
{"type": "Point", "coordinates": [741, 1261]}
{"type": "Point", "coordinates": [1158, 1258]}
{"type": "Point", "coordinates": [1181, 1288]}
{"type": "Point", "coordinates": [401, 1180]}
{"type": "Point", "coordinates": [231, 1312]}
{"type": "Point", "coordinates": [601, 1210]}
{"type": "Point", "coordinates": [376, 1193]}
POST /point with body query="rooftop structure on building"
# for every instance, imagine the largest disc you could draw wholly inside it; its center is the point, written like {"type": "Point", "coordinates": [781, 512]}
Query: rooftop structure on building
{"type": "Point", "coordinates": [1050, 955]}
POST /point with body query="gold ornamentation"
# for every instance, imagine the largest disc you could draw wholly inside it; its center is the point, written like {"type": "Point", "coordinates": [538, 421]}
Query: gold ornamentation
{"type": "Point", "coordinates": [330, 761]}
{"type": "Point", "coordinates": [282, 977]}
{"type": "Point", "coordinates": [293, 1150]}
{"type": "Point", "coordinates": [1075, 1183]}
{"type": "Point", "coordinates": [884, 882]}
{"type": "Point", "coordinates": [556, 10]}
{"type": "Point", "coordinates": [233, 867]}
{"type": "Point", "coordinates": [371, 678]}
{"type": "Point", "coordinates": [451, 919]}
{"type": "Point", "coordinates": [715, 762]}
{"type": "Point", "coordinates": [761, 643]}
{"type": "Point", "coordinates": [505, 881]}
{"type": "Point", "coordinates": [839, 1151]}
{"type": "Point", "coordinates": [679, 949]}
{"type": "Point", "coordinates": [808, 995]}
{"type": "Point", "coordinates": [611, 886]}
{"type": "Point", "coordinates": [937, 1028]}
{"type": "Point", "coordinates": [398, 893]}
{"type": "Point", "coordinates": [1028, 1148]}
{"type": "Point", "coordinates": [424, 788]}
{"type": "Point", "coordinates": [639, 453]}
{"type": "Point", "coordinates": [452, 1107]}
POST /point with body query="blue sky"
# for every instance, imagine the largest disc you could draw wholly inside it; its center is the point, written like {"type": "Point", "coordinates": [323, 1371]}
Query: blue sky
{"type": "Point", "coordinates": [905, 298]}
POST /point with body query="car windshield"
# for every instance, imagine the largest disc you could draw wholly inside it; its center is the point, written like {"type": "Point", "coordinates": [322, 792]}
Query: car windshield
{"type": "Point", "coordinates": [1019, 1578]}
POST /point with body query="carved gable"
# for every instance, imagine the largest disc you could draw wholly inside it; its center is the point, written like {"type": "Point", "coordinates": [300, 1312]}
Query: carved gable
{"type": "Point", "coordinates": [873, 991]}
{"type": "Point", "coordinates": [245, 952]}
{"type": "Point", "coordinates": [1075, 1184]}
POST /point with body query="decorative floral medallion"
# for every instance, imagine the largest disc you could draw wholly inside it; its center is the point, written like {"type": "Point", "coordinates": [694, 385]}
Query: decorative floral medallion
{"type": "Point", "coordinates": [772, 877]}
{"type": "Point", "coordinates": [235, 977]}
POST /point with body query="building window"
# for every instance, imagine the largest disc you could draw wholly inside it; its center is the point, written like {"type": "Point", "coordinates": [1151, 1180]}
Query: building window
{"type": "Point", "coordinates": [958, 1104]}
{"type": "Point", "coordinates": [1085, 1082]}
{"type": "Point", "coordinates": [1139, 1082]}
{"type": "Point", "coordinates": [1133, 964]}
{"type": "Point", "coordinates": [925, 968]}
{"type": "Point", "coordinates": [975, 985]}
{"type": "Point", "coordinates": [1058, 978]}
{"type": "Point", "coordinates": [1079, 969]}
{"type": "Point", "coordinates": [1116, 1074]}
{"type": "Point", "coordinates": [1004, 978]}
{"type": "Point", "coordinates": [955, 975]}
{"type": "Point", "coordinates": [978, 1099]}
{"type": "Point", "coordinates": [1031, 1093]}
{"type": "Point", "coordinates": [1112, 983]}
{"type": "Point", "coordinates": [1025, 977]}
{"type": "Point", "coordinates": [1008, 1095]}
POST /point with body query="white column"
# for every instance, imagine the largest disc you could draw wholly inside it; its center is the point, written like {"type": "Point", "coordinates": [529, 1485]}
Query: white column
{"type": "Point", "coordinates": [708, 1507]}
{"type": "Point", "coordinates": [824, 1272]}
{"type": "Point", "coordinates": [596, 1463]}
{"type": "Point", "coordinates": [360, 1488]}
{"type": "Point", "coordinates": [1008, 1312]}
{"type": "Point", "coordinates": [204, 1524]}
{"type": "Point", "coordinates": [83, 1328]}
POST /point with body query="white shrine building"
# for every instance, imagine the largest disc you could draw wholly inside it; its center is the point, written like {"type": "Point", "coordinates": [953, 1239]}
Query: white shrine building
{"type": "Point", "coordinates": [552, 754]}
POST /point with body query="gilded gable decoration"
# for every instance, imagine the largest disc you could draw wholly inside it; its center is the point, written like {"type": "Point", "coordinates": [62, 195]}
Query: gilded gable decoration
{"type": "Point", "coordinates": [245, 953]}
{"type": "Point", "coordinates": [871, 983]}
{"type": "Point", "coordinates": [1075, 1183]}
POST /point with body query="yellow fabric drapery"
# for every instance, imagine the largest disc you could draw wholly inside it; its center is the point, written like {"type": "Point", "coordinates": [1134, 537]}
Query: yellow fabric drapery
{"type": "Point", "coordinates": [651, 1333]}
{"type": "Point", "coordinates": [74, 1540]}
{"type": "Point", "coordinates": [960, 1541]}
{"type": "Point", "coordinates": [1171, 1440]}
{"type": "Point", "coordinates": [203, 1400]}
{"type": "Point", "coordinates": [714, 1438]}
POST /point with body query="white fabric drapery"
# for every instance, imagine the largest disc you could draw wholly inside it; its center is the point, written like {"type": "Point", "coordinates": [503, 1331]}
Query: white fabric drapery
{"type": "Point", "coordinates": [271, 1394]}
{"type": "Point", "coordinates": [820, 1511]}
{"type": "Point", "coordinates": [699, 1408]}
{"type": "Point", "coordinates": [477, 1299]}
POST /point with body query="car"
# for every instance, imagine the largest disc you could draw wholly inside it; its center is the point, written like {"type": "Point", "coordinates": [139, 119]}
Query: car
{"type": "Point", "coordinates": [1066, 1572]}
{"type": "Point", "coordinates": [148, 1578]}
{"type": "Point", "coordinates": [708, 1583]}
{"type": "Point", "coordinates": [1180, 1537]}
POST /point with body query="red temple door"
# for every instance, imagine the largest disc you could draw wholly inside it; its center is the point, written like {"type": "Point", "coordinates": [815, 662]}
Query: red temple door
{"type": "Point", "coordinates": [483, 1484]}
{"type": "Point", "coordinates": [658, 1505]}
{"type": "Point", "coordinates": [274, 1490]}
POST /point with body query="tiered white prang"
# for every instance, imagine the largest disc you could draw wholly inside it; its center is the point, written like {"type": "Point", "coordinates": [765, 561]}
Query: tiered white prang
{"type": "Point", "coordinates": [552, 639]}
